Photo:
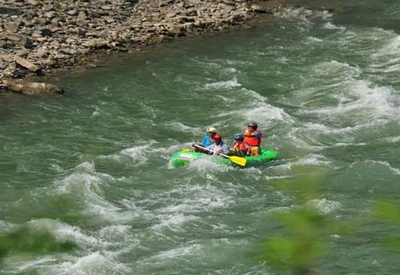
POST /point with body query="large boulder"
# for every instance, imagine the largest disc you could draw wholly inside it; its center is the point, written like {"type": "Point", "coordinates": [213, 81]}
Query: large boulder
{"type": "Point", "coordinates": [33, 88]}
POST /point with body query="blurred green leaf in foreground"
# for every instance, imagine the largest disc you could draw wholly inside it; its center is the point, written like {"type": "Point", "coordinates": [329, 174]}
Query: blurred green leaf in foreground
{"type": "Point", "coordinates": [307, 229]}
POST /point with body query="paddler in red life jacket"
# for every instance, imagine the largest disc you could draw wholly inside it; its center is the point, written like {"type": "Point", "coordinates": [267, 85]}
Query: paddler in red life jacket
{"type": "Point", "coordinates": [239, 148]}
{"type": "Point", "coordinates": [252, 139]}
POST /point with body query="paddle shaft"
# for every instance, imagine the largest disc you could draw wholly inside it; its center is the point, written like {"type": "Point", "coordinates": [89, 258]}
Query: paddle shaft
{"type": "Point", "coordinates": [204, 148]}
{"type": "Point", "coordinates": [235, 159]}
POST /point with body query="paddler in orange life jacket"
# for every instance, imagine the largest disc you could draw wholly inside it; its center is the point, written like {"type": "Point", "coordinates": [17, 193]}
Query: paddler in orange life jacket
{"type": "Point", "coordinates": [239, 148]}
{"type": "Point", "coordinates": [252, 139]}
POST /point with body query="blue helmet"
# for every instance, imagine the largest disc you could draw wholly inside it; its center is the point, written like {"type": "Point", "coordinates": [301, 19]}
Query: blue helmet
{"type": "Point", "coordinates": [239, 137]}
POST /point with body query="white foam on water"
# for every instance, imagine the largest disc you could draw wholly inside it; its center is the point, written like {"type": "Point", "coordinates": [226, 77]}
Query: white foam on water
{"type": "Point", "coordinates": [257, 98]}
{"type": "Point", "coordinates": [313, 160]}
{"type": "Point", "coordinates": [97, 260]}
{"type": "Point", "coordinates": [331, 26]}
{"type": "Point", "coordinates": [302, 15]}
{"type": "Point", "coordinates": [390, 139]}
{"type": "Point", "coordinates": [234, 62]}
{"type": "Point", "coordinates": [176, 253]}
{"type": "Point", "coordinates": [296, 139]}
{"type": "Point", "coordinates": [323, 205]}
{"type": "Point", "coordinates": [85, 185]}
{"type": "Point", "coordinates": [342, 144]}
{"type": "Point", "coordinates": [197, 199]}
{"type": "Point", "coordinates": [268, 178]}
{"type": "Point", "coordinates": [384, 163]}
{"type": "Point", "coordinates": [64, 231]}
{"type": "Point", "coordinates": [341, 70]}
{"type": "Point", "coordinates": [23, 265]}
{"type": "Point", "coordinates": [173, 221]}
{"type": "Point", "coordinates": [379, 99]}
{"type": "Point", "coordinates": [139, 152]}
{"type": "Point", "coordinates": [229, 84]}
{"type": "Point", "coordinates": [165, 152]}
{"type": "Point", "coordinates": [208, 165]}
{"type": "Point", "coordinates": [56, 168]}
{"type": "Point", "coordinates": [226, 99]}
{"type": "Point", "coordinates": [313, 39]}
{"type": "Point", "coordinates": [390, 49]}
{"type": "Point", "coordinates": [3, 225]}
{"type": "Point", "coordinates": [117, 234]}
{"type": "Point", "coordinates": [323, 129]}
{"type": "Point", "coordinates": [231, 70]}
{"type": "Point", "coordinates": [386, 59]}
{"type": "Point", "coordinates": [265, 115]}
{"type": "Point", "coordinates": [93, 263]}
{"type": "Point", "coordinates": [180, 127]}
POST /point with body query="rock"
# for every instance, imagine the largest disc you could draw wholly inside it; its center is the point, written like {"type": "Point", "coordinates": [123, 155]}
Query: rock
{"type": "Point", "coordinates": [3, 65]}
{"type": "Point", "coordinates": [96, 43]}
{"type": "Point", "coordinates": [175, 30]}
{"type": "Point", "coordinates": [26, 64]}
{"type": "Point", "coordinates": [17, 39]}
{"type": "Point", "coordinates": [42, 52]}
{"type": "Point", "coordinates": [7, 57]}
{"type": "Point", "coordinates": [81, 16]}
{"type": "Point", "coordinates": [49, 62]}
{"type": "Point", "coordinates": [33, 88]}
{"type": "Point", "coordinates": [263, 7]}
{"type": "Point", "coordinates": [10, 11]}
{"type": "Point", "coordinates": [50, 14]}
{"type": "Point", "coordinates": [72, 12]}
{"type": "Point", "coordinates": [229, 2]}
{"type": "Point", "coordinates": [34, 2]}
{"type": "Point", "coordinates": [57, 33]}
{"type": "Point", "coordinates": [46, 32]}
{"type": "Point", "coordinates": [164, 3]}
{"type": "Point", "coordinates": [12, 27]}
{"type": "Point", "coordinates": [23, 53]}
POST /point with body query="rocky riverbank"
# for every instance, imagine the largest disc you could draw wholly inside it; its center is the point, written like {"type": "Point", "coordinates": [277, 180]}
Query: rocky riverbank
{"type": "Point", "coordinates": [40, 36]}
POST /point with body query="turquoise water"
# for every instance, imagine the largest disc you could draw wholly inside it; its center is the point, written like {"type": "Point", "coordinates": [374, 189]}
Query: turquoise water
{"type": "Point", "coordinates": [86, 183]}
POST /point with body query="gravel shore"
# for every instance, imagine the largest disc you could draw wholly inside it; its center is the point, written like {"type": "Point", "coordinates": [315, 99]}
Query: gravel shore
{"type": "Point", "coordinates": [40, 36]}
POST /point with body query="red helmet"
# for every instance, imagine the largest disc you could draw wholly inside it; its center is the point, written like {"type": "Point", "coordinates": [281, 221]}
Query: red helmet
{"type": "Point", "coordinates": [252, 125]}
{"type": "Point", "coordinates": [217, 137]}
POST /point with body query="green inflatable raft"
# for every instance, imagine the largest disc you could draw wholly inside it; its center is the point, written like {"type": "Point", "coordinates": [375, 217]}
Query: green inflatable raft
{"type": "Point", "coordinates": [186, 156]}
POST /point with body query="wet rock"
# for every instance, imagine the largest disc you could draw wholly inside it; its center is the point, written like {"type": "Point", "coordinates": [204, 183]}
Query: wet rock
{"type": "Point", "coordinates": [175, 30]}
{"type": "Point", "coordinates": [264, 7]}
{"type": "Point", "coordinates": [26, 64]}
{"type": "Point", "coordinates": [33, 88]}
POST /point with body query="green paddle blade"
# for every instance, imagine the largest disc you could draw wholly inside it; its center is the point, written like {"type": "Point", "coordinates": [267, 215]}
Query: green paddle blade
{"type": "Point", "coordinates": [238, 160]}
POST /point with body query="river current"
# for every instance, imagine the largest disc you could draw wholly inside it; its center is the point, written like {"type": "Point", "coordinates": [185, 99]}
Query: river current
{"type": "Point", "coordinates": [86, 185]}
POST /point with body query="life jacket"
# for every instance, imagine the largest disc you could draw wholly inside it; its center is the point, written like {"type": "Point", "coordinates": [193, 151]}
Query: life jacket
{"type": "Point", "coordinates": [252, 141]}
{"type": "Point", "coordinates": [241, 146]}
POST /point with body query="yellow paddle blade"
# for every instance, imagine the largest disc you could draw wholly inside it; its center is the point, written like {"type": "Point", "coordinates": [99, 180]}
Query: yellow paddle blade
{"type": "Point", "coordinates": [186, 150]}
{"type": "Point", "coordinates": [238, 160]}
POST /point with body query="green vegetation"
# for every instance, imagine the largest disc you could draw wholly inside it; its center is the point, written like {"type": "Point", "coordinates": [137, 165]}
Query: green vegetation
{"type": "Point", "coordinates": [388, 212]}
{"type": "Point", "coordinates": [26, 239]}
{"type": "Point", "coordinates": [307, 228]}
{"type": "Point", "coordinates": [307, 232]}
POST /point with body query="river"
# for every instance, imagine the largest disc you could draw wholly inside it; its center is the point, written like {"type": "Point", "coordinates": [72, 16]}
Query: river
{"type": "Point", "coordinates": [86, 185]}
